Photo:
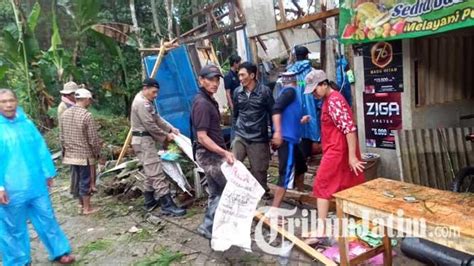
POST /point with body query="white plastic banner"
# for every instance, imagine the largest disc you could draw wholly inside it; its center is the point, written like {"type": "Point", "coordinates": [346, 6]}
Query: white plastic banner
{"type": "Point", "coordinates": [236, 209]}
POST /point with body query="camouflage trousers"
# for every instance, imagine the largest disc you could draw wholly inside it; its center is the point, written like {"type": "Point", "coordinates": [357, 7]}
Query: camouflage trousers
{"type": "Point", "coordinates": [147, 153]}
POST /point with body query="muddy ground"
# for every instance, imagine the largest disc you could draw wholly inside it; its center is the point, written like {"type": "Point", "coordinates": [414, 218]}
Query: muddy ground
{"type": "Point", "coordinates": [123, 234]}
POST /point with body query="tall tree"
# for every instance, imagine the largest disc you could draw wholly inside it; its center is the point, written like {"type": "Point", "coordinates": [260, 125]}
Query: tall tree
{"type": "Point", "coordinates": [169, 14]}
{"type": "Point", "coordinates": [156, 23]}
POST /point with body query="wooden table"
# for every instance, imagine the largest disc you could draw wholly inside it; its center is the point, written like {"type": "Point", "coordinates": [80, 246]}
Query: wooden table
{"type": "Point", "coordinates": [442, 211]}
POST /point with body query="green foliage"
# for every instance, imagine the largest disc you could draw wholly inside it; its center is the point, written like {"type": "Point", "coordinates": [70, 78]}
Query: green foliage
{"type": "Point", "coordinates": [98, 245]}
{"type": "Point", "coordinates": [34, 16]}
{"type": "Point", "coordinates": [36, 62]}
{"type": "Point", "coordinates": [163, 258]}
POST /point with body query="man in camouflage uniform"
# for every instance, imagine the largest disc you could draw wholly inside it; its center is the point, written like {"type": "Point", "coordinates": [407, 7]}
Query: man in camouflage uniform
{"type": "Point", "coordinates": [148, 128]}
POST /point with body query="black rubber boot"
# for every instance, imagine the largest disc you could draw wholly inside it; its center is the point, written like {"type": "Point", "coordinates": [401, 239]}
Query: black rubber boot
{"type": "Point", "coordinates": [168, 207]}
{"type": "Point", "coordinates": [205, 229]}
{"type": "Point", "coordinates": [150, 202]}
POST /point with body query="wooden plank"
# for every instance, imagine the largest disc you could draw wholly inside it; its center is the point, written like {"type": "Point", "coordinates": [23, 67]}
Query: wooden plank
{"type": "Point", "coordinates": [405, 151]}
{"type": "Point", "coordinates": [304, 20]}
{"type": "Point", "coordinates": [468, 67]}
{"type": "Point", "coordinates": [469, 145]}
{"type": "Point", "coordinates": [439, 160]}
{"type": "Point", "coordinates": [450, 68]}
{"type": "Point", "coordinates": [285, 42]}
{"type": "Point", "coordinates": [281, 6]}
{"type": "Point", "coordinates": [461, 147]}
{"type": "Point", "coordinates": [415, 169]}
{"type": "Point", "coordinates": [254, 50]}
{"type": "Point", "coordinates": [398, 148]}
{"type": "Point", "coordinates": [423, 75]}
{"type": "Point", "coordinates": [447, 208]}
{"type": "Point", "coordinates": [158, 60]}
{"type": "Point", "coordinates": [460, 65]}
{"type": "Point", "coordinates": [431, 89]}
{"type": "Point", "coordinates": [443, 80]}
{"type": "Point", "coordinates": [420, 155]}
{"type": "Point", "coordinates": [298, 242]}
{"type": "Point", "coordinates": [452, 148]}
{"type": "Point", "coordinates": [124, 149]}
{"type": "Point", "coordinates": [443, 137]}
{"type": "Point", "coordinates": [430, 159]}
{"type": "Point", "coordinates": [367, 255]}
{"type": "Point", "coordinates": [406, 157]}
{"type": "Point", "coordinates": [462, 241]}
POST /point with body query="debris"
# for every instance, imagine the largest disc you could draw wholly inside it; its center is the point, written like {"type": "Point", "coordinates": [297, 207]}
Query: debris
{"type": "Point", "coordinates": [90, 229]}
{"type": "Point", "coordinates": [133, 230]}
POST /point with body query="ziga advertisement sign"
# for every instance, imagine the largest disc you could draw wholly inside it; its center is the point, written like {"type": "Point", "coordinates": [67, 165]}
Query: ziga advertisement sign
{"type": "Point", "coordinates": [374, 20]}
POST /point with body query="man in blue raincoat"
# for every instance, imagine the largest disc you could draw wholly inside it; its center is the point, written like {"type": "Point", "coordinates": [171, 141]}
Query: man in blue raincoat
{"type": "Point", "coordinates": [311, 129]}
{"type": "Point", "coordinates": [342, 79]}
{"type": "Point", "coordinates": [26, 172]}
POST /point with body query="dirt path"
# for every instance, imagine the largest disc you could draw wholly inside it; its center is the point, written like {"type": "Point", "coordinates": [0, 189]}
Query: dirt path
{"type": "Point", "coordinates": [123, 234]}
{"type": "Point", "coordinates": [106, 238]}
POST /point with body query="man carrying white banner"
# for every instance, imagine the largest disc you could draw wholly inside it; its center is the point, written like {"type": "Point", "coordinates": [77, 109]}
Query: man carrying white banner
{"type": "Point", "coordinates": [236, 209]}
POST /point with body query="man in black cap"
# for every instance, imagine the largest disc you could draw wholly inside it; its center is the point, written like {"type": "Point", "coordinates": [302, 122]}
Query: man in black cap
{"type": "Point", "coordinates": [147, 128]}
{"type": "Point", "coordinates": [210, 147]}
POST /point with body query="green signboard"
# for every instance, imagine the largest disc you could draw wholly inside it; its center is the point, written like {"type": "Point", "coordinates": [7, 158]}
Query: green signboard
{"type": "Point", "coordinates": [375, 20]}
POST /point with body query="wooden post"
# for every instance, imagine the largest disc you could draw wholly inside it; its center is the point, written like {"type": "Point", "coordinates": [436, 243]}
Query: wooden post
{"type": "Point", "coordinates": [124, 147]}
{"type": "Point", "coordinates": [387, 252]}
{"type": "Point", "coordinates": [281, 5]}
{"type": "Point", "coordinates": [253, 48]}
{"type": "Point", "coordinates": [343, 245]}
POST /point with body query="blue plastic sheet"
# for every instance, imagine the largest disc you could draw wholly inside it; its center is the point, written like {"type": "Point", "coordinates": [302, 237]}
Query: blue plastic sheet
{"type": "Point", "coordinates": [178, 87]}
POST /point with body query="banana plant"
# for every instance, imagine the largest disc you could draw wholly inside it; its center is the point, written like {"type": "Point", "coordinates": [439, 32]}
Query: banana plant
{"type": "Point", "coordinates": [21, 54]}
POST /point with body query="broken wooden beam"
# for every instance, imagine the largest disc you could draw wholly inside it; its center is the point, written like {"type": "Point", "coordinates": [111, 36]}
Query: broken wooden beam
{"type": "Point", "coordinates": [298, 242]}
{"type": "Point", "coordinates": [303, 20]}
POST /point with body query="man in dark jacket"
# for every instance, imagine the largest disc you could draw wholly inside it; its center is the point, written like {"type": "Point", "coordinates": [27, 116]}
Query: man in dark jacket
{"type": "Point", "coordinates": [253, 103]}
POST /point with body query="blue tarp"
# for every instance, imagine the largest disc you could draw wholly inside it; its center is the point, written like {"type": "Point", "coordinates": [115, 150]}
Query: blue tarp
{"type": "Point", "coordinates": [178, 86]}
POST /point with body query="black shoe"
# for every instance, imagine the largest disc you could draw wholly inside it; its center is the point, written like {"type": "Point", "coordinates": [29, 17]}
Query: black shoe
{"type": "Point", "coordinates": [204, 232]}
{"type": "Point", "coordinates": [150, 202]}
{"type": "Point", "coordinates": [168, 207]}
{"type": "Point", "coordinates": [267, 196]}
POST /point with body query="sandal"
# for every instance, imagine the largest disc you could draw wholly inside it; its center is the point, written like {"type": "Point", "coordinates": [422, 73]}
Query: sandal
{"type": "Point", "coordinates": [66, 259]}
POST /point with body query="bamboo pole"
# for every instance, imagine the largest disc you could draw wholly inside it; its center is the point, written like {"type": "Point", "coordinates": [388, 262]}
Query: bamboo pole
{"type": "Point", "coordinates": [298, 242]}
{"type": "Point", "coordinates": [153, 74]}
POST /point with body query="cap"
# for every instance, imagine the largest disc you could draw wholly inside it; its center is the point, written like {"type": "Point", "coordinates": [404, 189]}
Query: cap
{"type": "Point", "coordinates": [69, 87]}
{"type": "Point", "coordinates": [301, 50]}
{"type": "Point", "coordinates": [313, 78]}
{"type": "Point", "coordinates": [82, 94]}
{"type": "Point", "coordinates": [210, 71]}
{"type": "Point", "coordinates": [288, 77]}
{"type": "Point", "coordinates": [151, 82]}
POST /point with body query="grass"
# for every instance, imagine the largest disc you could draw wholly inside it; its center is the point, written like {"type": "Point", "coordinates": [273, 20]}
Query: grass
{"type": "Point", "coordinates": [163, 257]}
{"type": "Point", "coordinates": [98, 245]}
{"type": "Point", "coordinates": [191, 212]}
{"type": "Point", "coordinates": [142, 235]}
{"type": "Point", "coordinates": [249, 259]}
